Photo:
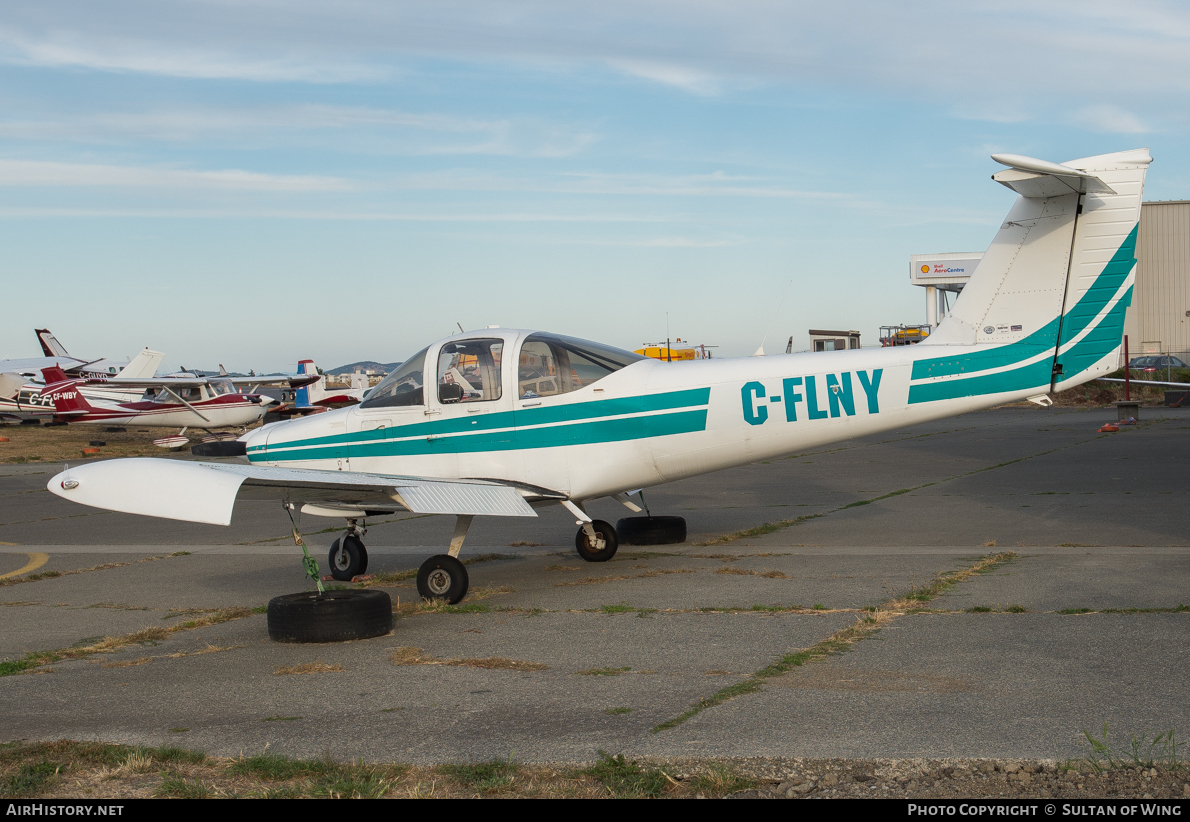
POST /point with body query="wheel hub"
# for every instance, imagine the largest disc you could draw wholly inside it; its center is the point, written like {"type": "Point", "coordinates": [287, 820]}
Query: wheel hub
{"type": "Point", "coordinates": [439, 581]}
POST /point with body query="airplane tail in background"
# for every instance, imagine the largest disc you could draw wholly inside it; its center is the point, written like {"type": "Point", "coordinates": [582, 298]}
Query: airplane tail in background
{"type": "Point", "coordinates": [314, 392]}
{"type": "Point", "coordinates": [143, 366]}
{"type": "Point", "coordinates": [64, 393]}
{"type": "Point", "coordinates": [50, 346]}
{"type": "Point", "coordinates": [1044, 308]}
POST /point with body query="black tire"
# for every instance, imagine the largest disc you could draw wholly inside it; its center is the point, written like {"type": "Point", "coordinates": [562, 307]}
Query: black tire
{"type": "Point", "coordinates": [651, 530]}
{"type": "Point", "coordinates": [336, 616]}
{"type": "Point", "coordinates": [350, 562]}
{"type": "Point", "coordinates": [589, 552]}
{"type": "Point", "coordinates": [442, 577]}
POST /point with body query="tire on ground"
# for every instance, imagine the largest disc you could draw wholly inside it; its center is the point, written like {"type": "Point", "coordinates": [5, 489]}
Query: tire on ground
{"type": "Point", "coordinates": [651, 530]}
{"type": "Point", "coordinates": [336, 616]}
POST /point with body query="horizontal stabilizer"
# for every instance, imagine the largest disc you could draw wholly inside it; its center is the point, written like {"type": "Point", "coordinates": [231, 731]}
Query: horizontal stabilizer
{"type": "Point", "coordinates": [206, 492]}
{"type": "Point", "coordinates": [1034, 178]}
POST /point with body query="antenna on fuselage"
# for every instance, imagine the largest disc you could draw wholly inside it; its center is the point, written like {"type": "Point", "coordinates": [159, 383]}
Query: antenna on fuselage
{"type": "Point", "coordinates": [760, 351]}
{"type": "Point", "coordinates": [460, 325]}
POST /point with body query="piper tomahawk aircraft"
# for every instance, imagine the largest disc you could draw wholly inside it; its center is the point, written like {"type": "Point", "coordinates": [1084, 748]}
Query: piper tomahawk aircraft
{"type": "Point", "coordinates": [500, 422]}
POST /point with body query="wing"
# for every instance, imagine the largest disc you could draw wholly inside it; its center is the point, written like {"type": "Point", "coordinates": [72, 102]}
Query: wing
{"type": "Point", "coordinates": [291, 380]}
{"type": "Point", "coordinates": [207, 491]}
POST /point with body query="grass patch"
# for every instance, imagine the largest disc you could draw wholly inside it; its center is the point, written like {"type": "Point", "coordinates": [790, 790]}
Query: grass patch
{"type": "Point", "coordinates": [979, 609]}
{"type": "Point", "coordinates": [603, 672]}
{"type": "Point", "coordinates": [719, 780]}
{"type": "Point", "coordinates": [597, 580]}
{"type": "Point", "coordinates": [486, 778]}
{"type": "Point", "coordinates": [1138, 752]}
{"type": "Point", "coordinates": [416, 656]}
{"type": "Point", "coordinates": [626, 779]}
{"type": "Point", "coordinates": [622, 608]}
{"type": "Point", "coordinates": [179, 787]}
{"type": "Point", "coordinates": [277, 768]}
{"type": "Point", "coordinates": [30, 780]}
{"type": "Point", "coordinates": [318, 667]}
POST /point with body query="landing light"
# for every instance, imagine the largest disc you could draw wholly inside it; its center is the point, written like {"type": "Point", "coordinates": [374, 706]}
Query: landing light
{"type": "Point", "coordinates": [70, 484]}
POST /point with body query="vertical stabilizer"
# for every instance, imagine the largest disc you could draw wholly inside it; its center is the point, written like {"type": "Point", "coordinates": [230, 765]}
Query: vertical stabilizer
{"type": "Point", "coordinates": [64, 392]}
{"type": "Point", "coordinates": [50, 346]}
{"type": "Point", "coordinates": [143, 366]}
{"type": "Point", "coordinates": [315, 391]}
{"type": "Point", "coordinates": [1044, 308]}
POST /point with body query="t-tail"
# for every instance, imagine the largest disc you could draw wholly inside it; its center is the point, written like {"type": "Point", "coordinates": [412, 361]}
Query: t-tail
{"type": "Point", "coordinates": [64, 393]}
{"type": "Point", "coordinates": [1044, 309]}
{"type": "Point", "coordinates": [50, 346]}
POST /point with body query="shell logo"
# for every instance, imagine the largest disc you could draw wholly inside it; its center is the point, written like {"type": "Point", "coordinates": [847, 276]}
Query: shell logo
{"type": "Point", "coordinates": [925, 269]}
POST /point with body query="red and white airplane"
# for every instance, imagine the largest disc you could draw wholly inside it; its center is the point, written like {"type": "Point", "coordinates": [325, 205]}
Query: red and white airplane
{"type": "Point", "coordinates": [182, 402]}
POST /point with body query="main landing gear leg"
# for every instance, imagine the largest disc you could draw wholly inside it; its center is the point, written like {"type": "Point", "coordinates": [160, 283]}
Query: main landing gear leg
{"type": "Point", "coordinates": [348, 557]}
{"type": "Point", "coordinates": [443, 577]}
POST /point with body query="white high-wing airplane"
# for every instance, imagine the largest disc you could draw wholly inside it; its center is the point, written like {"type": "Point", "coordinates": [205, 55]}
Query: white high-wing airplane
{"type": "Point", "coordinates": [499, 422]}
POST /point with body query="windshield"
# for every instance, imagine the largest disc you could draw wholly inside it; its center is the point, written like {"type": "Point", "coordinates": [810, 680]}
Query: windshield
{"type": "Point", "coordinates": [223, 386]}
{"type": "Point", "coordinates": [402, 387]}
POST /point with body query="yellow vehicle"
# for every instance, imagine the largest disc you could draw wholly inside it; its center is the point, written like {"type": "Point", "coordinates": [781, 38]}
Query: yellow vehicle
{"type": "Point", "coordinates": [665, 351]}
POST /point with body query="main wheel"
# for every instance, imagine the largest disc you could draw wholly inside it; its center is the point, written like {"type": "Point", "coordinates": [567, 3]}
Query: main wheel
{"type": "Point", "coordinates": [348, 558]}
{"type": "Point", "coordinates": [442, 577]}
{"type": "Point", "coordinates": [605, 544]}
{"type": "Point", "coordinates": [335, 616]}
{"type": "Point", "coordinates": [651, 530]}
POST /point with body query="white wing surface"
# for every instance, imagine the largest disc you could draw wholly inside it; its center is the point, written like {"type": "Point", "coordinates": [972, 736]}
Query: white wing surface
{"type": "Point", "coordinates": [207, 491]}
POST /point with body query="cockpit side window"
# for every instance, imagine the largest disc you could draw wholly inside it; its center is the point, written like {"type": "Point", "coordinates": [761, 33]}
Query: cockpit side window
{"type": "Point", "coordinates": [551, 364]}
{"type": "Point", "coordinates": [402, 387]}
{"type": "Point", "coordinates": [469, 371]}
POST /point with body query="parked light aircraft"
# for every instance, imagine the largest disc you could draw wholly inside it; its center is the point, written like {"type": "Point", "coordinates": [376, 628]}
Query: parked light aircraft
{"type": "Point", "coordinates": [55, 354]}
{"type": "Point", "coordinates": [314, 398]}
{"type": "Point", "coordinates": [184, 402]}
{"type": "Point", "coordinates": [466, 427]}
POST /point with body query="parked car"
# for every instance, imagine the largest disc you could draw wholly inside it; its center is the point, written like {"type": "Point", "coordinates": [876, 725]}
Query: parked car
{"type": "Point", "coordinates": [1152, 363]}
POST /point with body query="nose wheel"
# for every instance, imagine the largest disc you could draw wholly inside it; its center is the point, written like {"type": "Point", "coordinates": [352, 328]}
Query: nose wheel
{"type": "Point", "coordinates": [596, 541]}
{"type": "Point", "coordinates": [348, 557]}
{"type": "Point", "coordinates": [442, 577]}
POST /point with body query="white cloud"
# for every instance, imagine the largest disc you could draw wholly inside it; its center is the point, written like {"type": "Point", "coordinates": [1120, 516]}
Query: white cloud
{"type": "Point", "coordinates": [1109, 119]}
{"type": "Point", "coordinates": [35, 173]}
{"type": "Point", "coordinates": [686, 79]}
{"type": "Point", "coordinates": [371, 130]}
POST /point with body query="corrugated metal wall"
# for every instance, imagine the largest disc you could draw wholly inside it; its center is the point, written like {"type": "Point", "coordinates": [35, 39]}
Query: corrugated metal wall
{"type": "Point", "coordinates": [1161, 300]}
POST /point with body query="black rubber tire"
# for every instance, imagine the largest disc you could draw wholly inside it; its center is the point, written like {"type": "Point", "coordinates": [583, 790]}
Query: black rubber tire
{"type": "Point", "coordinates": [442, 577]}
{"type": "Point", "coordinates": [651, 530]}
{"type": "Point", "coordinates": [611, 542]}
{"type": "Point", "coordinates": [219, 448]}
{"type": "Point", "coordinates": [336, 616]}
{"type": "Point", "coordinates": [352, 563]}
{"type": "Point", "coordinates": [30, 421]}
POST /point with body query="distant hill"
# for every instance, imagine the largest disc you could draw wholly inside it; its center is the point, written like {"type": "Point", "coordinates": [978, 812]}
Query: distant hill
{"type": "Point", "coordinates": [363, 365]}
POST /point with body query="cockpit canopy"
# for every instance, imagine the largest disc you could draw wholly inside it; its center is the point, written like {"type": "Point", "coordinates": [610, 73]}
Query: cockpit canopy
{"type": "Point", "coordinates": [469, 370]}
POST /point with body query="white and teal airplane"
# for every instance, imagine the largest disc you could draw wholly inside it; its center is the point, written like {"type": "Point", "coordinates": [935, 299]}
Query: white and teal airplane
{"type": "Point", "coordinates": [501, 422]}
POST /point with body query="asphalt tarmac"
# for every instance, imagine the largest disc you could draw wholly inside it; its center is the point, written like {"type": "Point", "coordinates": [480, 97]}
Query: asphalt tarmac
{"type": "Point", "coordinates": [553, 659]}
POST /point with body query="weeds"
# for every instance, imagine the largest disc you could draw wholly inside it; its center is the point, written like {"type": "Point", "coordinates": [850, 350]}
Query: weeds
{"type": "Point", "coordinates": [626, 779]}
{"type": "Point", "coordinates": [1141, 752]}
{"type": "Point", "coordinates": [603, 672]}
{"type": "Point", "coordinates": [488, 777]}
{"type": "Point", "coordinates": [720, 781]}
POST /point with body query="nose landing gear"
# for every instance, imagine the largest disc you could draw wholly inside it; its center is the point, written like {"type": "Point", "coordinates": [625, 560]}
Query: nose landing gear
{"type": "Point", "coordinates": [348, 557]}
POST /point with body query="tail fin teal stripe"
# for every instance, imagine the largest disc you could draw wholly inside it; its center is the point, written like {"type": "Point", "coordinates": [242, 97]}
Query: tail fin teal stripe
{"type": "Point", "coordinates": [1115, 271]}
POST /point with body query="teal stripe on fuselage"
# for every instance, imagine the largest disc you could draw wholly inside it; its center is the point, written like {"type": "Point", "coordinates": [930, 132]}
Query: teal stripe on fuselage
{"type": "Point", "coordinates": [520, 418]}
{"type": "Point", "coordinates": [578, 433]}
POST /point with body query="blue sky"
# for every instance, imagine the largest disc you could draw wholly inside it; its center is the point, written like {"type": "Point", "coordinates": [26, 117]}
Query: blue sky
{"type": "Point", "coordinates": [257, 182]}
